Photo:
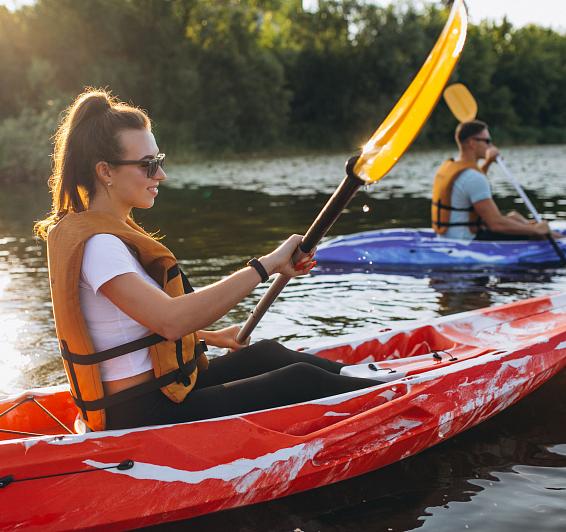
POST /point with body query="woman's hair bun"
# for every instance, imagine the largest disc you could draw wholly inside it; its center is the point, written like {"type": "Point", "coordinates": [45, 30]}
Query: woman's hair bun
{"type": "Point", "coordinates": [91, 104]}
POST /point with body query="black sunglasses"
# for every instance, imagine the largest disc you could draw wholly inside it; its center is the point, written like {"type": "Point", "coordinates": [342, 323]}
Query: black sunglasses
{"type": "Point", "coordinates": [479, 139]}
{"type": "Point", "coordinates": [151, 164]}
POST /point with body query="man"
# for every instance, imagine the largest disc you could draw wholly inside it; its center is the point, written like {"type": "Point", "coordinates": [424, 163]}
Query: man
{"type": "Point", "coordinates": [462, 203]}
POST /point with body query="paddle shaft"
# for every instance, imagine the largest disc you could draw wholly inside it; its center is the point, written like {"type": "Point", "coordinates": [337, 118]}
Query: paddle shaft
{"type": "Point", "coordinates": [388, 143]}
{"type": "Point", "coordinates": [559, 251]}
{"type": "Point", "coordinates": [324, 221]}
{"type": "Point", "coordinates": [519, 189]}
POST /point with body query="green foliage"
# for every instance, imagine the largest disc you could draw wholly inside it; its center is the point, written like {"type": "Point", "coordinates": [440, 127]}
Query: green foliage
{"type": "Point", "coordinates": [25, 144]}
{"type": "Point", "coordinates": [226, 76]}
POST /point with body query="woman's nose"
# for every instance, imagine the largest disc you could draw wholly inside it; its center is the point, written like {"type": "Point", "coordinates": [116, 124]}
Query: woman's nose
{"type": "Point", "coordinates": [160, 175]}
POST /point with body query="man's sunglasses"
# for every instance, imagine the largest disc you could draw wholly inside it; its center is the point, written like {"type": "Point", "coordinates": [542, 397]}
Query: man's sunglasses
{"type": "Point", "coordinates": [151, 164]}
{"type": "Point", "coordinates": [479, 139]}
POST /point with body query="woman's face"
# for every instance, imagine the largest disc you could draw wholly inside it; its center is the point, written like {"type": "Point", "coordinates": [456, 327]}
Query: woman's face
{"type": "Point", "coordinates": [130, 185]}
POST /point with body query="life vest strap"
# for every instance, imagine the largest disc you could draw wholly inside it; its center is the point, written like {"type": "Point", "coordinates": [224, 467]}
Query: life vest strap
{"type": "Point", "coordinates": [438, 223]}
{"type": "Point", "coordinates": [467, 224]}
{"type": "Point", "coordinates": [187, 288]}
{"type": "Point", "coordinates": [135, 391]}
{"type": "Point", "coordinates": [173, 272]}
{"type": "Point", "coordinates": [113, 352]}
{"type": "Point", "coordinates": [178, 376]}
{"type": "Point", "coordinates": [185, 373]}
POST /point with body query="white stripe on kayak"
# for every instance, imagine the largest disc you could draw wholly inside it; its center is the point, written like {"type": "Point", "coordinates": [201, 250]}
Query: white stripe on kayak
{"type": "Point", "coordinates": [293, 458]}
{"type": "Point", "coordinates": [468, 254]}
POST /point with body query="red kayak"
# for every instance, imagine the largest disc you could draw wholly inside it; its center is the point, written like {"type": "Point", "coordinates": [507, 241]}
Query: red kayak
{"type": "Point", "coordinates": [442, 376]}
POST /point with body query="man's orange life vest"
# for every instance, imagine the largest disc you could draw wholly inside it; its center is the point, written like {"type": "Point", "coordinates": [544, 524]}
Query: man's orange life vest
{"type": "Point", "coordinates": [175, 364]}
{"type": "Point", "coordinates": [444, 180]}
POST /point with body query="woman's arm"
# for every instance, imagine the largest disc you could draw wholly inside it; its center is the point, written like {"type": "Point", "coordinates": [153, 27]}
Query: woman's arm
{"type": "Point", "coordinates": [173, 317]}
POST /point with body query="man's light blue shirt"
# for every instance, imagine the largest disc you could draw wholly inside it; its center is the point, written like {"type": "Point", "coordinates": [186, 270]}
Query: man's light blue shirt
{"type": "Point", "coordinates": [470, 187]}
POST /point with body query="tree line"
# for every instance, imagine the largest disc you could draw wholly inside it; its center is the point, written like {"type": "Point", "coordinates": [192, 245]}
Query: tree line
{"type": "Point", "coordinates": [248, 76]}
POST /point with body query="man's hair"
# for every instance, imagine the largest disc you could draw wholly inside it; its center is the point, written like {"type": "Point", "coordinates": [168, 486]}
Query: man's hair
{"type": "Point", "coordinates": [465, 130]}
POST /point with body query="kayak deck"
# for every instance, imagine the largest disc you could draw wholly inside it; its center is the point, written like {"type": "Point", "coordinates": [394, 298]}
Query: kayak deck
{"type": "Point", "coordinates": [447, 375]}
{"type": "Point", "coordinates": [422, 248]}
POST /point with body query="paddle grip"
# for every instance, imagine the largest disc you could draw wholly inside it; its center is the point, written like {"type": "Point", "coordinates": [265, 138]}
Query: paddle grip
{"type": "Point", "coordinates": [323, 222]}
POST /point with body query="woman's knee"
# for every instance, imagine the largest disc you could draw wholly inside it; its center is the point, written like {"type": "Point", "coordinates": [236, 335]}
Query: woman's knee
{"type": "Point", "coordinates": [279, 354]}
{"type": "Point", "coordinates": [266, 345]}
{"type": "Point", "coordinates": [303, 371]}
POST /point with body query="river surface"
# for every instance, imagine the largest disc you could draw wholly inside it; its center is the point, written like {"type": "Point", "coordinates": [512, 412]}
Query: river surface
{"type": "Point", "coordinates": [508, 473]}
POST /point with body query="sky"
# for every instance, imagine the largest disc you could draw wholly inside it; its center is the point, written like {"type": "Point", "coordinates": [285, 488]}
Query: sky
{"type": "Point", "coordinates": [550, 13]}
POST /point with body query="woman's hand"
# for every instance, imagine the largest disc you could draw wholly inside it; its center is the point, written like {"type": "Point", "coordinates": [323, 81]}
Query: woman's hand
{"type": "Point", "coordinates": [280, 260]}
{"type": "Point", "coordinates": [225, 338]}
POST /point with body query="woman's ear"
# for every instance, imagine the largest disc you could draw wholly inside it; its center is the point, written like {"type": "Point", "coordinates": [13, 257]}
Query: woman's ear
{"type": "Point", "coordinates": [103, 174]}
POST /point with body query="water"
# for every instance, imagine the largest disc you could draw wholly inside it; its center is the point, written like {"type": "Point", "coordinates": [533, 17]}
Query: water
{"type": "Point", "coordinates": [507, 473]}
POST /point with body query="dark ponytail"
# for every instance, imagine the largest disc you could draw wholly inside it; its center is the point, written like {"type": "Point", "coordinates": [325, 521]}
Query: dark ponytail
{"type": "Point", "coordinates": [87, 135]}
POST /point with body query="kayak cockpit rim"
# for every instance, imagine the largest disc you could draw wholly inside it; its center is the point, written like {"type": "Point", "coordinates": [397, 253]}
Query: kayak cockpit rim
{"type": "Point", "coordinates": [32, 399]}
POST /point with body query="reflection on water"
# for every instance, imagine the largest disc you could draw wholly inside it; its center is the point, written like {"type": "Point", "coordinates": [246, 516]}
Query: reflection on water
{"type": "Point", "coordinates": [216, 216]}
{"type": "Point", "coordinates": [412, 177]}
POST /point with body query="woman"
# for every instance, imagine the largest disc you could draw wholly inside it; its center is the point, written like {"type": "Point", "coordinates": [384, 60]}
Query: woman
{"type": "Point", "coordinates": [113, 285]}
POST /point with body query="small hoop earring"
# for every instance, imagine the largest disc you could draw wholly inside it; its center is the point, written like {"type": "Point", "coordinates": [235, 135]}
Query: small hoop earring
{"type": "Point", "coordinates": [109, 183]}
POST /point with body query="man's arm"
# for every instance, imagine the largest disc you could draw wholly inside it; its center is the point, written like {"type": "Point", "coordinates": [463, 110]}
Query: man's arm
{"type": "Point", "coordinates": [495, 221]}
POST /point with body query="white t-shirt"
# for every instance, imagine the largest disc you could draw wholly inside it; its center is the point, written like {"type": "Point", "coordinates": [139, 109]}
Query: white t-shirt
{"type": "Point", "coordinates": [105, 257]}
{"type": "Point", "coordinates": [470, 187]}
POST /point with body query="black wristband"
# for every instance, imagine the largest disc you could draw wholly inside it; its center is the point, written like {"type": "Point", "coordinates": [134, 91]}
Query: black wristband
{"type": "Point", "coordinates": [258, 267]}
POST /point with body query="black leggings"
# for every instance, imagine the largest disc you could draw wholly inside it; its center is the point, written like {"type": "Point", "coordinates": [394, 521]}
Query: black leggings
{"type": "Point", "coordinates": [263, 375]}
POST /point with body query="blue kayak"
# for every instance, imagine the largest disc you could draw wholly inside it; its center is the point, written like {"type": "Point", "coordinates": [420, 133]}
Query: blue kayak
{"type": "Point", "coordinates": [411, 249]}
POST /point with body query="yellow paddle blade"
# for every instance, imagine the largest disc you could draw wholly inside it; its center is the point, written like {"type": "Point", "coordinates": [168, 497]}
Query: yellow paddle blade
{"type": "Point", "coordinates": [403, 123]}
{"type": "Point", "coordinates": [461, 102]}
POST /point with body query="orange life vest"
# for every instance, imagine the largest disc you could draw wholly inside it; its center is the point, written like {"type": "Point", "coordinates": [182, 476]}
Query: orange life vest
{"type": "Point", "coordinates": [444, 180]}
{"type": "Point", "coordinates": [175, 364]}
